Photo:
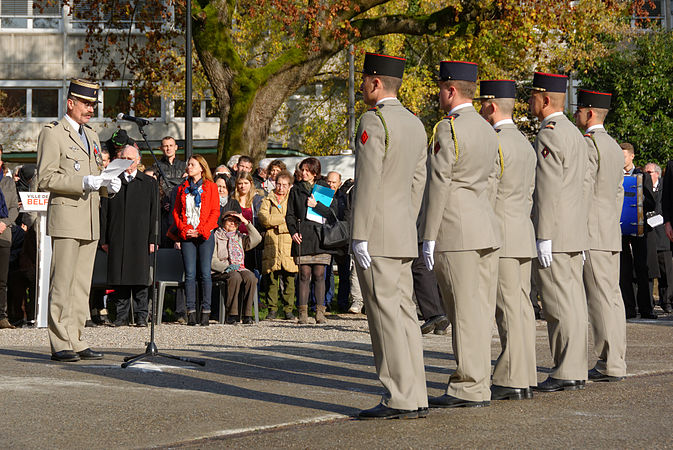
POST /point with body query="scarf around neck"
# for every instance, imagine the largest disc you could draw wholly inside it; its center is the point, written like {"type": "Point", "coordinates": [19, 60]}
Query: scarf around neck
{"type": "Point", "coordinates": [196, 190]}
{"type": "Point", "coordinates": [233, 251]}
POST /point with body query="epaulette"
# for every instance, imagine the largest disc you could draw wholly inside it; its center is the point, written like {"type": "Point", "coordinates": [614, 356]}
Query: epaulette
{"type": "Point", "coordinates": [587, 135]}
{"type": "Point", "coordinates": [51, 124]}
{"type": "Point", "coordinates": [363, 137]}
{"type": "Point", "coordinates": [550, 125]}
{"type": "Point", "coordinates": [452, 116]}
{"type": "Point", "coordinates": [498, 130]}
{"type": "Point", "coordinates": [86, 125]}
{"type": "Point", "coordinates": [375, 108]}
{"type": "Point", "coordinates": [410, 111]}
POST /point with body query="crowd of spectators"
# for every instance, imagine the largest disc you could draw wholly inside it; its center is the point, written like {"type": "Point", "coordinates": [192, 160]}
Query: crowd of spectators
{"type": "Point", "coordinates": [245, 230]}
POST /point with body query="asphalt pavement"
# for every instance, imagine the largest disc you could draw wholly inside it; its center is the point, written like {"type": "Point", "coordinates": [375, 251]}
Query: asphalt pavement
{"type": "Point", "coordinates": [279, 385]}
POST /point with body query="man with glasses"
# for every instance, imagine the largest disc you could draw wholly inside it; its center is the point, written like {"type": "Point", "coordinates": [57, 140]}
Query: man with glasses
{"type": "Point", "coordinates": [69, 161]}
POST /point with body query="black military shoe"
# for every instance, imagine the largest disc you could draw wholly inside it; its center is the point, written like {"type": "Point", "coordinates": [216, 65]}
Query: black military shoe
{"type": "Point", "coordinates": [595, 375]}
{"type": "Point", "coordinates": [436, 322]}
{"type": "Point", "coordinates": [529, 392]}
{"type": "Point", "coordinates": [65, 356]}
{"type": "Point", "coordinates": [90, 354]}
{"type": "Point", "coordinates": [507, 393]}
{"type": "Point", "coordinates": [423, 412]}
{"type": "Point", "coordinates": [449, 401]}
{"type": "Point", "coordinates": [383, 412]}
{"type": "Point", "coordinates": [554, 384]}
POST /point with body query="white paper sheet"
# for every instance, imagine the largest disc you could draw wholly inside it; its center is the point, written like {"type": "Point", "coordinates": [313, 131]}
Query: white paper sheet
{"type": "Point", "coordinates": [115, 167]}
{"type": "Point", "coordinates": [655, 221]}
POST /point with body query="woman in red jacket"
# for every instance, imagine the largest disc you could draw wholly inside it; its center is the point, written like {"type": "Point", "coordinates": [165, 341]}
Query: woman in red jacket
{"type": "Point", "coordinates": [197, 208]}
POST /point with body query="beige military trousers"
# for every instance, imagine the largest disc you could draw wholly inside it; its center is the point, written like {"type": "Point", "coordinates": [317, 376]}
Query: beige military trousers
{"type": "Point", "coordinates": [69, 285]}
{"type": "Point", "coordinates": [515, 318]}
{"type": "Point", "coordinates": [565, 310]}
{"type": "Point", "coordinates": [468, 280]}
{"type": "Point", "coordinates": [387, 288]}
{"type": "Point", "coordinates": [607, 317]}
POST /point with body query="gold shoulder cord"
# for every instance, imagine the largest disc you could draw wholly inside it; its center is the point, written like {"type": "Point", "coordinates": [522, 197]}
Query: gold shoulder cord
{"type": "Point", "coordinates": [453, 135]}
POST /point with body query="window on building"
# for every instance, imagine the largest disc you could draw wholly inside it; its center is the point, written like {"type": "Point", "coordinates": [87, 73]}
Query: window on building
{"type": "Point", "coordinates": [115, 101]}
{"type": "Point", "coordinates": [28, 14]}
{"type": "Point", "coordinates": [118, 15]}
{"type": "Point", "coordinates": [44, 103]}
{"type": "Point", "coordinates": [211, 108]}
{"type": "Point", "coordinates": [12, 102]}
{"type": "Point", "coordinates": [180, 108]}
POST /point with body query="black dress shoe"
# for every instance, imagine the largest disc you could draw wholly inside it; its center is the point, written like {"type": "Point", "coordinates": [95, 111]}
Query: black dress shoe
{"type": "Point", "coordinates": [595, 375]}
{"type": "Point", "coordinates": [383, 412]}
{"type": "Point", "coordinates": [529, 392]}
{"type": "Point", "coordinates": [90, 324]}
{"type": "Point", "coordinates": [65, 356]}
{"type": "Point", "coordinates": [423, 412]}
{"type": "Point", "coordinates": [90, 354]}
{"type": "Point", "coordinates": [205, 319]}
{"type": "Point", "coordinates": [507, 393]}
{"type": "Point", "coordinates": [231, 320]}
{"type": "Point", "coordinates": [247, 320]}
{"type": "Point", "coordinates": [449, 401]}
{"type": "Point", "coordinates": [554, 384]}
{"type": "Point", "coordinates": [141, 323]}
{"type": "Point", "coordinates": [433, 323]}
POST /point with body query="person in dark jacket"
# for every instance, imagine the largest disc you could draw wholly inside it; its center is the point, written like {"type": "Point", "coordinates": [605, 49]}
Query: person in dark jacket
{"type": "Point", "coordinates": [170, 170]}
{"type": "Point", "coordinates": [660, 246]}
{"type": "Point", "coordinates": [306, 234]}
{"type": "Point", "coordinates": [129, 238]}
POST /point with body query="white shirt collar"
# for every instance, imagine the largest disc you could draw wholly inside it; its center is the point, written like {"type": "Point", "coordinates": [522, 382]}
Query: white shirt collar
{"type": "Point", "coordinates": [384, 99]}
{"type": "Point", "coordinates": [461, 106]}
{"type": "Point", "coordinates": [75, 126]}
{"type": "Point", "coordinates": [594, 127]}
{"type": "Point", "coordinates": [503, 122]}
{"type": "Point", "coordinates": [132, 174]}
{"type": "Point", "coordinates": [552, 115]}
{"type": "Point", "coordinates": [656, 185]}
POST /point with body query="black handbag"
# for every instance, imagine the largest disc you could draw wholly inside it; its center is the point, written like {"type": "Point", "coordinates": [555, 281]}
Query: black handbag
{"type": "Point", "coordinates": [336, 234]}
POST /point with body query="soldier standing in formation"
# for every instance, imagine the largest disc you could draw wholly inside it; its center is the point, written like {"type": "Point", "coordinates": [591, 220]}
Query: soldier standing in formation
{"type": "Point", "coordinates": [391, 173]}
{"type": "Point", "coordinates": [515, 371]}
{"type": "Point", "coordinates": [462, 233]}
{"type": "Point", "coordinates": [561, 230]}
{"type": "Point", "coordinates": [69, 165]}
{"type": "Point", "coordinates": [607, 316]}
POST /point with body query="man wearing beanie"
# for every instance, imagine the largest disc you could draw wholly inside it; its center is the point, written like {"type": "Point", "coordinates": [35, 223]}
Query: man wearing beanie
{"type": "Point", "coordinates": [601, 268]}
{"type": "Point", "coordinates": [515, 371]}
{"type": "Point", "coordinates": [390, 172]}
{"type": "Point", "coordinates": [560, 218]}
{"type": "Point", "coordinates": [461, 234]}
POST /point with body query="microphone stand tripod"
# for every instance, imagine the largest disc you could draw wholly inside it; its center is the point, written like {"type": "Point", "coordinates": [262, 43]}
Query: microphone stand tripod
{"type": "Point", "coordinates": [151, 351]}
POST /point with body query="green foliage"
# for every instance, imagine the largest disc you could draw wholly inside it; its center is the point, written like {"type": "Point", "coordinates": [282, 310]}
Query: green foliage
{"type": "Point", "coordinates": [639, 73]}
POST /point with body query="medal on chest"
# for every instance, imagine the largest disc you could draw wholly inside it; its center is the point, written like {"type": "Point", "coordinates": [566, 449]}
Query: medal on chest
{"type": "Point", "coordinates": [98, 156]}
{"type": "Point", "coordinates": [77, 166]}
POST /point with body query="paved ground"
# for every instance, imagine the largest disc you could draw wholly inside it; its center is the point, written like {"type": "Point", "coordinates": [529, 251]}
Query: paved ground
{"type": "Point", "coordinates": [282, 385]}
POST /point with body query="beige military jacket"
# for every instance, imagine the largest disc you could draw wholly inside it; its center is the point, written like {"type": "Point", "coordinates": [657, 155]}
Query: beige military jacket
{"type": "Point", "coordinates": [62, 163]}
{"type": "Point", "coordinates": [389, 183]}
{"type": "Point", "coordinates": [514, 200]}
{"type": "Point", "coordinates": [459, 213]}
{"type": "Point", "coordinates": [608, 192]}
{"type": "Point", "coordinates": [560, 212]}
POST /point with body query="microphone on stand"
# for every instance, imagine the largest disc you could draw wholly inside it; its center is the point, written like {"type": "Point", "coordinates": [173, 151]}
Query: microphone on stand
{"type": "Point", "coordinates": [140, 122]}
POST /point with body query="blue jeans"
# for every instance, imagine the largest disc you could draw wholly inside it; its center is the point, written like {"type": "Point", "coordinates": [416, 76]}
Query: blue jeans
{"type": "Point", "coordinates": [198, 253]}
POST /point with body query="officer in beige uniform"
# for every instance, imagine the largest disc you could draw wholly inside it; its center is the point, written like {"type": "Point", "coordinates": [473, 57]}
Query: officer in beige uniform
{"type": "Point", "coordinates": [462, 233]}
{"type": "Point", "coordinates": [390, 172]}
{"type": "Point", "coordinates": [515, 370]}
{"type": "Point", "coordinates": [601, 268]}
{"type": "Point", "coordinates": [69, 166]}
{"type": "Point", "coordinates": [560, 218]}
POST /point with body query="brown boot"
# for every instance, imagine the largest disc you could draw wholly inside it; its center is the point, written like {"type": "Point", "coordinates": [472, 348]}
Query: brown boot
{"type": "Point", "coordinates": [320, 315]}
{"type": "Point", "coordinates": [303, 314]}
{"type": "Point", "coordinates": [4, 323]}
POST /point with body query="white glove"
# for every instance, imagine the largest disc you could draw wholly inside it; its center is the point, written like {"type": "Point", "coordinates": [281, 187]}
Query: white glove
{"type": "Point", "coordinates": [113, 186]}
{"type": "Point", "coordinates": [361, 254]}
{"type": "Point", "coordinates": [92, 182]}
{"type": "Point", "coordinates": [429, 254]}
{"type": "Point", "coordinates": [544, 252]}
